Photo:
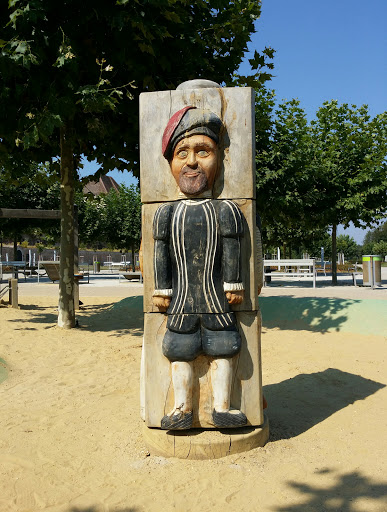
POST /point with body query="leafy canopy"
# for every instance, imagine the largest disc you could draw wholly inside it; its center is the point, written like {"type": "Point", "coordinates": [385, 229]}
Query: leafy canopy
{"type": "Point", "coordinates": [84, 63]}
{"type": "Point", "coordinates": [113, 219]}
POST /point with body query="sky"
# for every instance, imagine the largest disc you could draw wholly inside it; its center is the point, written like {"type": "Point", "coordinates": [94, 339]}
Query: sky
{"type": "Point", "coordinates": [332, 49]}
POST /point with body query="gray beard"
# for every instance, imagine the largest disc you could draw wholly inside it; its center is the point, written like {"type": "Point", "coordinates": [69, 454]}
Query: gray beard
{"type": "Point", "coordinates": [193, 186]}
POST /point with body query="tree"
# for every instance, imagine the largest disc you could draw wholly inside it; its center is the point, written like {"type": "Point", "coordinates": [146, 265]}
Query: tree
{"type": "Point", "coordinates": [91, 217]}
{"type": "Point", "coordinates": [35, 191]}
{"type": "Point", "coordinates": [285, 189]}
{"type": "Point", "coordinates": [67, 78]}
{"type": "Point", "coordinates": [380, 248]}
{"type": "Point", "coordinates": [347, 245]}
{"type": "Point", "coordinates": [377, 234]}
{"type": "Point", "coordinates": [123, 209]}
{"type": "Point", "coordinates": [113, 219]}
{"type": "Point", "coordinates": [351, 170]}
{"type": "Point", "coordinates": [319, 175]}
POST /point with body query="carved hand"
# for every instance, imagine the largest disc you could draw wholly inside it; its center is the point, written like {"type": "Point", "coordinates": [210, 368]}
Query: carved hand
{"type": "Point", "coordinates": [161, 302]}
{"type": "Point", "coordinates": [235, 297]}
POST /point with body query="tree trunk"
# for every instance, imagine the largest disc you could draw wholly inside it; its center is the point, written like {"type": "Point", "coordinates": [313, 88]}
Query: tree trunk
{"type": "Point", "coordinates": [66, 316]}
{"type": "Point", "coordinates": [15, 247]}
{"type": "Point", "coordinates": [334, 255]}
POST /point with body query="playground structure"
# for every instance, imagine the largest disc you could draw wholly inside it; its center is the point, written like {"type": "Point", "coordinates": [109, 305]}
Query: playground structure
{"type": "Point", "coordinates": [12, 288]}
{"type": "Point", "coordinates": [45, 214]}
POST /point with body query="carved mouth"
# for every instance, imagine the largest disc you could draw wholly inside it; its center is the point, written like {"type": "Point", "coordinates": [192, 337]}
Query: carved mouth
{"type": "Point", "coordinates": [191, 174]}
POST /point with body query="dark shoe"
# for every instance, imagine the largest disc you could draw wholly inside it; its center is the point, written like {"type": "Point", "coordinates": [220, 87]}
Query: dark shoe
{"type": "Point", "coordinates": [178, 421]}
{"type": "Point", "coordinates": [229, 419]}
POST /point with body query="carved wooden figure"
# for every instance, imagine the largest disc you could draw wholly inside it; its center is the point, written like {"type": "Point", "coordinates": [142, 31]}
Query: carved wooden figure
{"type": "Point", "coordinates": [201, 358]}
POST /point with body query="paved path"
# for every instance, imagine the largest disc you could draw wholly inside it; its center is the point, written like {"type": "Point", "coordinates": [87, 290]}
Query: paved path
{"type": "Point", "coordinates": [107, 284]}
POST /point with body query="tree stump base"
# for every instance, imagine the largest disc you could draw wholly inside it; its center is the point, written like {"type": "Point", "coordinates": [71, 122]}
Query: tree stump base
{"type": "Point", "coordinates": [204, 444]}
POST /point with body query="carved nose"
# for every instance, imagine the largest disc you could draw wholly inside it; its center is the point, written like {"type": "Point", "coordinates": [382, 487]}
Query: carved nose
{"type": "Point", "coordinates": [191, 161]}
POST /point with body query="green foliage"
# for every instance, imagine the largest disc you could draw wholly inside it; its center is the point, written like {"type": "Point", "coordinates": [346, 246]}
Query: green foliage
{"type": "Point", "coordinates": [113, 219]}
{"type": "Point", "coordinates": [347, 245]}
{"type": "Point", "coordinates": [350, 159]}
{"type": "Point", "coordinates": [315, 176]}
{"type": "Point", "coordinates": [285, 190]}
{"type": "Point", "coordinates": [377, 234]}
{"type": "Point", "coordinates": [380, 248]}
{"type": "Point", "coordinates": [79, 63]}
{"type": "Point", "coordinates": [34, 190]}
{"type": "Point", "coordinates": [313, 246]}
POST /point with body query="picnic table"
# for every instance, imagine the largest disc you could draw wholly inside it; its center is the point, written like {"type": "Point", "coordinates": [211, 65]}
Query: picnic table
{"type": "Point", "coordinates": [291, 268]}
{"type": "Point", "coordinates": [15, 266]}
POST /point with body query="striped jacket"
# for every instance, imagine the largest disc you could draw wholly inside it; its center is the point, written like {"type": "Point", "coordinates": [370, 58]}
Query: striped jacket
{"type": "Point", "coordinates": [197, 260]}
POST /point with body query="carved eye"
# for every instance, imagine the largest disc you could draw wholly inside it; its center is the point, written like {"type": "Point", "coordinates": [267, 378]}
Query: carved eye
{"type": "Point", "coordinates": [202, 153]}
{"type": "Point", "coordinates": [182, 154]}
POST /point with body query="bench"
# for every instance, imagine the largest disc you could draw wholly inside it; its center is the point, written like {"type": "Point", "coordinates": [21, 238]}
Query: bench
{"type": "Point", "coordinates": [130, 276]}
{"type": "Point", "coordinates": [291, 268]}
{"type": "Point", "coordinates": [353, 272]}
{"type": "Point", "coordinates": [52, 270]}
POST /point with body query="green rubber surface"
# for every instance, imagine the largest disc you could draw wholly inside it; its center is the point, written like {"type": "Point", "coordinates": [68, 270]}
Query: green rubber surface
{"type": "Point", "coordinates": [361, 316]}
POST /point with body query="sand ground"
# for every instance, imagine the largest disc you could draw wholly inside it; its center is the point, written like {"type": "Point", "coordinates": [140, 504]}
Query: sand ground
{"type": "Point", "coordinates": [70, 432]}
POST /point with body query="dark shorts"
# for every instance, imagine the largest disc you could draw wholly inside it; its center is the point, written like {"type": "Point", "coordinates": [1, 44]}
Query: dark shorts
{"type": "Point", "coordinates": [188, 346]}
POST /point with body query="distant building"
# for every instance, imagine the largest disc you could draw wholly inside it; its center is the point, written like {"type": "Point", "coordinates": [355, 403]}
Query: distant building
{"type": "Point", "coordinates": [102, 186]}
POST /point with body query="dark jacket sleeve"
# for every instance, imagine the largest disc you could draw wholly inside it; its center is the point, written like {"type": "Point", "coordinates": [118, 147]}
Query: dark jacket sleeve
{"type": "Point", "coordinates": [231, 229]}
{"type": "Point", "coordinates": [162, 260]}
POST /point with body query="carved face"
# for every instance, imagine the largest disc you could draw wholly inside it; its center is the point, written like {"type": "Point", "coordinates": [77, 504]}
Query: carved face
{"type": "Point", "coordinates": [194, 164]}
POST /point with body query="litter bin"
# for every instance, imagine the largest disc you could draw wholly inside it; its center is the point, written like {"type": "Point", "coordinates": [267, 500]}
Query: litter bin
{"type": "Point", "coordinates": [372, 270]}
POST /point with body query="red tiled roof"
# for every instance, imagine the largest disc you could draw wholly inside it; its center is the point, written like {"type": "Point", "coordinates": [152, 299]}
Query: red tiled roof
{"type": "Point", "coordinates": [102, 186]}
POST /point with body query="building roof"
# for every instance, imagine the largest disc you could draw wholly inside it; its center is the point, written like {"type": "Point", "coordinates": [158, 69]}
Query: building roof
{"type": "Point", "coordinates": [102, 186]}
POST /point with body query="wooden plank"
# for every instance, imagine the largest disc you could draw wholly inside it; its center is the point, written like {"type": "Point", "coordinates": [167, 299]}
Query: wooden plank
{"type": "Point", "coordinates": [235, 106]}
{"type": "Point", "coordinates": [246, 393]}
{"type": "Point", "coordinates": [13, 293]}
{"type": "Point", "coordinates": [29, 214]}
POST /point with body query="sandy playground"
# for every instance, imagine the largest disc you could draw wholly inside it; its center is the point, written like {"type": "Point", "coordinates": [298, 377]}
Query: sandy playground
{"type": "Point", "coordinates": [70, 431]}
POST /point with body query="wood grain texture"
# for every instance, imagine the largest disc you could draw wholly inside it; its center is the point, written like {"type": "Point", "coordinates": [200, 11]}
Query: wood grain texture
{"type": "Point", "coordinates": [205, 444]}
{"type": "Point", "coordinates": [235, 106]}
{"type": "Point", "coordinates": [249, 256]}
{"type": "Point", "coordinates": [246, 392]}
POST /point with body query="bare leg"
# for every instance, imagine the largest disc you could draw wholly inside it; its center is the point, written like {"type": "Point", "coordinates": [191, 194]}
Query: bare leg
{"type": "Point", "coordinates": [180, 418]}
{"type": "Point", "coordinates": [182, 372]}
{"type": "Point", "coordinates": [221, 377]}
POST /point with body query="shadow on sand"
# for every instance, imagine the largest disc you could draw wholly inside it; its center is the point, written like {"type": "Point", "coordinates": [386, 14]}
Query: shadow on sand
{"type": "Point", "coordinates": [342, 496]}
{"type": "Point", "coordinates": [117, 318]}
{"type": "Point", "coordinates": [292, 403]}
{"type": "Point", "coordinates": [305, 313]}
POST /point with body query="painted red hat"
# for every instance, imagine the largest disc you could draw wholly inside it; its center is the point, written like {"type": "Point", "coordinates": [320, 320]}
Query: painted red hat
{"type": "Point", "coordinates": [189, 121]}
{"type": "Point", "coordinates": [173, 123]}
